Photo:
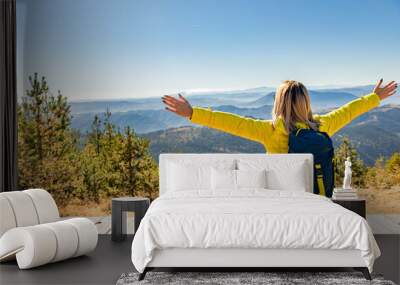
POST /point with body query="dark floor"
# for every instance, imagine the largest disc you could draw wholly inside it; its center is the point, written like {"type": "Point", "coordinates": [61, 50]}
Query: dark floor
{"type": "Point", "coordinates": [111, 259]}
{"type": "Point", "coordinates": [103, 266]}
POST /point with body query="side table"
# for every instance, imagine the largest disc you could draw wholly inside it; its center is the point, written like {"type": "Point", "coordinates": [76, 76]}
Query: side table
{"type": "Point", "coordinates": [119, 207]}
{"type": "Point", "coordinates": [356, 205]}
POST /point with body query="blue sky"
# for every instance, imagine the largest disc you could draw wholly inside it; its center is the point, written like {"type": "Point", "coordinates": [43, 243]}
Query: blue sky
{"type": "Point", "coordinates": [130, 48]}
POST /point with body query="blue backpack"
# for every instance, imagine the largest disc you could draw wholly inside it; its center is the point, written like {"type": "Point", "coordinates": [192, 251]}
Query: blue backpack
{"type": "Point", "coordinates": [320, 145]}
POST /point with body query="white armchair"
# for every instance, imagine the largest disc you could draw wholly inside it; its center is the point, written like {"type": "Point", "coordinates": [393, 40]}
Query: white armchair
{"type": "Point", "coordinates": [31, 230]}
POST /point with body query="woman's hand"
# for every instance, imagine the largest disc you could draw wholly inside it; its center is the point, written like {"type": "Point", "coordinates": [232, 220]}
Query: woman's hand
{"type": "Point", "coordinates": [178, 106]}
{"type": "Point", "coordinates": [386, 91]}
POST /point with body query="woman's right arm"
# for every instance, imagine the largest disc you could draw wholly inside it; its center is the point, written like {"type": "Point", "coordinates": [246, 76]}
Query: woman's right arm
{"type": "Point", "coordinates": [245, 127]}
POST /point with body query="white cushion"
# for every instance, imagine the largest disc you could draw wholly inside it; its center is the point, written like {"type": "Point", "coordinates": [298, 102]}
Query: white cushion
{"type": "Point", "coordinates": [23, 208]}
{"type": "Point", "coordinates": [26, 208]}
{"type": "Point", "coordinates": [231, 180]}
{"type": "Point", "coordinates": [183, 177]}
{"type": "Point", "coordinates": [189, 174]}
{"type": "Point", "coordinates": [223, 179]}
{"type": "Point", "coordinates": [197, 160]}
{"type": "Point", "coordinates": [33, 246]}
{"type": "Point", "coordinates": [87, 235]}
{"type": "Point", "coordinates": [45, 205]}
{"type": "Point", "coordinates": [251, 178]}
{"type": "Point", "coordinates": [7, 218]}
{"type": "Point", "coordinates": [67, 240]}
{"type": "Point", "coordinates": [283, 175]}
{"type": "Point", "coordinates": [40, 244]}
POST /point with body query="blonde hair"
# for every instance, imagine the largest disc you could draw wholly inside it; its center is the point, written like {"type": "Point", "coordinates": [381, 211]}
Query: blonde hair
{"type": "Point", "coordinates": [292, 105]}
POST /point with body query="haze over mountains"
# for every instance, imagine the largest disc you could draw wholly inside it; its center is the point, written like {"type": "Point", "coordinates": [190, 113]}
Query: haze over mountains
{"type": "Point", "coordinates": [321, 97]}
{"type": "Point", "coordinates": [374, 134]}
{"type": "Point", "coordinates": [236, 98]}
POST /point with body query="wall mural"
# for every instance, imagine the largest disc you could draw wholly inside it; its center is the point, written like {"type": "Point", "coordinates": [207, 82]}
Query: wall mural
{"type": "Point", "coordinates": [92, 123]}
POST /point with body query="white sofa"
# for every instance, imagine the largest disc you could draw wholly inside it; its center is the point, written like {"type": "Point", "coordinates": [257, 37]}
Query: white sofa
{"type": "Point", "coordinates": [31, 230]}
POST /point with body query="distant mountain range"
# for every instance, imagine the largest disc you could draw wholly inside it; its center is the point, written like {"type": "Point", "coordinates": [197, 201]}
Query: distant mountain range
{"type": "Point", "coordinates": [144, 121]}
{"type": "Point", "coordinates": [319, 99]}
{"type": "Point", "coordinates": [356, 90]}
{"type": "Point", "coordinates": [374, 134]}
{"type": "Point", "coordinates": [236, 97]}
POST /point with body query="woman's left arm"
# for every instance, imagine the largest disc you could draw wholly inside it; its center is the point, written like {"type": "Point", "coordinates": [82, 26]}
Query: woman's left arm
{"type": "Point", "coordinates": [337, 119]}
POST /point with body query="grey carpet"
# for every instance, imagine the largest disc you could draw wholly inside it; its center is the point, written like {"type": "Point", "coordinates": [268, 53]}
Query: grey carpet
{"type": "Point", "coordinates": [242, 278]}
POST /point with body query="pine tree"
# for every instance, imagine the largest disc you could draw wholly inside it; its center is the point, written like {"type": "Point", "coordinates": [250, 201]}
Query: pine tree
{"type": "Point", "coordinates": [138, 169]}
{"type": "Point", "coordinates": [392, 169]}
{"type": "Point", "coordinates": [96, 133]}
{"type": "Point", "coordinates": [385, 174]}
{"type": "Point", "coordinates": [46, 144]}
{"type": "Point", "coordinates": [393, 163]}
{"type": "Point", "coordinates": [92, 172]}
{"type": "Point", "coordinates": [94, 164]}
{"type": "Point", "coordinates": [116, 164]}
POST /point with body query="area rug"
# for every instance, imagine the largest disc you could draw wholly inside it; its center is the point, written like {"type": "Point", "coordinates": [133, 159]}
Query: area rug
{"type": "Point", "coordinates": [243, 278]}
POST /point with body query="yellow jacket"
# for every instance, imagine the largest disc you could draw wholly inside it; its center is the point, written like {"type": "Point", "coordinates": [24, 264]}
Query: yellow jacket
{"type": "Point", "coordinates": [275, 138]}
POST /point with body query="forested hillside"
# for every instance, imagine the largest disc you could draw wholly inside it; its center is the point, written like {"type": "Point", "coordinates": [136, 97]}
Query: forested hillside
{"type": "Point", "coordinates": [106, 162]}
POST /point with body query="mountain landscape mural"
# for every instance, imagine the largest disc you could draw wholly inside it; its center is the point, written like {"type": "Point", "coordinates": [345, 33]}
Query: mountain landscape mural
{"type": "Point", "coordinates": [374, 134]}
{"type": "Point", "coordinates": [90, 78]}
